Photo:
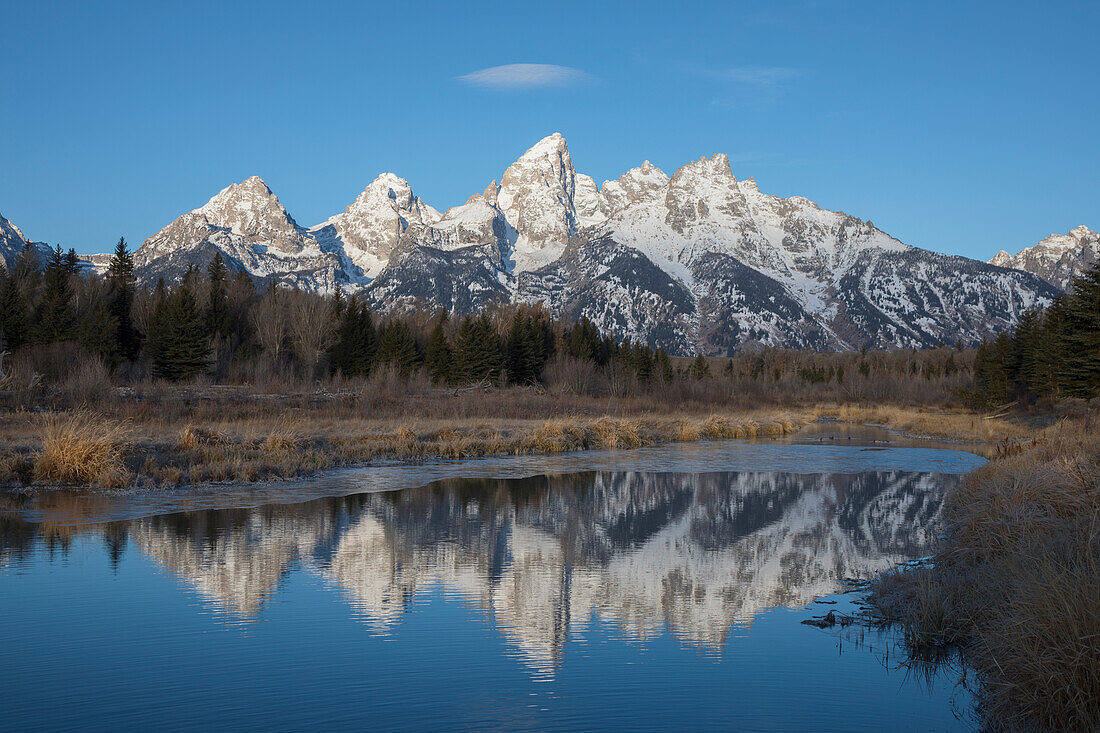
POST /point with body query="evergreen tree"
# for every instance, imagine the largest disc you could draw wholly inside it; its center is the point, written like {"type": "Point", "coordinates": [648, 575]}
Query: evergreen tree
{"type": "Point", "coordinates": [1082, 335]}
{"type": "Point", "coordinates": [339, 304]}
{"type": "Point", "coordinates": [643, 362]}
{"type": "Point", "coordinates": [72, 262]}
{"type": "Point", "coordinates": [396, 346]}
{"type": "Point", "coordinates": [991, 372]}
{"type": "Point", "coordinates": [700, 368]}
{"type": "Point", "coordinates": [354, 351]}
{"type": "Point", "coordinates": [479, 352]}
{"type": "Point", "coordinates": [177, 343]}
{"type": "Point", "coordinates": [55, 314]}
{"type": "Point", "coordinates": [438, 353]}
{"type": "Point", "coordinates": [97, 329]}
{"type": "Point", "coordinates": [217, 305]}
{"type": "Point", "coordinates": [120, 279]}
{"type": "Point", "coordinates": [13, 312]}
{"type": "Point", "coordinates": [526, 347]}
{"type": "Point", "coordinates": [582, 341]}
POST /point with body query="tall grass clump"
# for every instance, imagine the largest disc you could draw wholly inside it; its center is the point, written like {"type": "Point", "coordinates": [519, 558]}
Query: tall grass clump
{"type": "Point", "coordinates": [78, 447]}
{"type": "Point", "coordinates": [1016, 584]}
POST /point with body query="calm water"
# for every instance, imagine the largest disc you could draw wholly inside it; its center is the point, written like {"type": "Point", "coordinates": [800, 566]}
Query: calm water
{"type": "Point", "coordinates": [658, 589]}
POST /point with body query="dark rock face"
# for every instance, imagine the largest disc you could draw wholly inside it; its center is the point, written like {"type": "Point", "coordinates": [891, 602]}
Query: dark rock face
{"type": "Point", "coordinates": [618, 288]}
{"type": "Point", "coordinates": [918, 299]}
{"type": "Point", "coordinates": [458, 281]}
{"type": "Point", "coordinates": [739, 306]}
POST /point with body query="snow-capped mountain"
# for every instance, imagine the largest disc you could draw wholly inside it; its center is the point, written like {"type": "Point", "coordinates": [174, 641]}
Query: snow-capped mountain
{"type": "Point", "coordinates": [12, 244]}
{"type": "Point", "coordinates": [253, 231]}
{"type": "Point", "coordinates": [1057, 259]}
{"type": "Point", "coordinates": [699, 261]}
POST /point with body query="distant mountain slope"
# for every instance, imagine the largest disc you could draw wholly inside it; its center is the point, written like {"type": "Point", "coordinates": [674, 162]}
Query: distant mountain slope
{"type": "Point", "coordinates": [1057, 259]}
{"type": "Point", "coordinates": [699, 261]}
{"type": "Point", "coordinates": [12, 244]}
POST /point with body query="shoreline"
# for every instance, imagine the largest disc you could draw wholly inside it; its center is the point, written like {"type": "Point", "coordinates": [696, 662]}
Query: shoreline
{"type": "Point", "coordinates": [246, 452]}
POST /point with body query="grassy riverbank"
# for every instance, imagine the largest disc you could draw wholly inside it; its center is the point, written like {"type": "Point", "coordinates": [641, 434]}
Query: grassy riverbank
{"type": "Point", "coordinates": [166, 435]}
{"type": "Point", "coordinates": [230, 436]}
{"type": "Point", "coordinates": [1015, 586]}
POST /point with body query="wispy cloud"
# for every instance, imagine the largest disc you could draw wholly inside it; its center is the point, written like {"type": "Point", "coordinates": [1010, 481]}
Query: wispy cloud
{"type": "Point", "coordinates": [761, 76]}
{"type": "Point", "coordinates": [524, 76]}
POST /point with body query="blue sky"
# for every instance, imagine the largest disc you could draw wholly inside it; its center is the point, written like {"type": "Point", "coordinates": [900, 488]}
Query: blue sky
{"type": "Point", "coordinates": [957, 126]}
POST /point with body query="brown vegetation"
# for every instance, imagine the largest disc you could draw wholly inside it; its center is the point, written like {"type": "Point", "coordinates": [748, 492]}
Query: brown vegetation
{"type": "Point", "coordinates": [280, 426]}
{"type": "Point", "coordinates": [80, 448]}
{"type": "Point", "coordinates": [249, 444]}
{"type": "Point", "coordinates": [1016, 583]}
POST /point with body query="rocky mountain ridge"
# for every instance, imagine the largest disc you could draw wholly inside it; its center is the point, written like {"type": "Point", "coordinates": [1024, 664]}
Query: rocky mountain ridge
{"type": "Point", "coordinates": [695, 262]}
{"type": "Point", "coordinates": [1057, 259]}
{"type": "Point", "coordinates": [13, 242]}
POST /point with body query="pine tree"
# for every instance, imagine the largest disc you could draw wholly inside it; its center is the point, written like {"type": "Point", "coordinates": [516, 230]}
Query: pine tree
{"type": "Point", "coordinates": [526, 347]}
{"type": "Point", "coordinates": [991, 377]}
{"type": "Point", "coordinates": [339, 304]}
{"type": "Point", "coordinates": [72, 262]}
{"type": "Point", "coordinates": [13, 312]}
{"type": "Point", "coordinates": [438, 353]}
{"type": "Point", "coordinates": [97, 329]}
{"type": "Point", "coordinates": [700, 368]}
{"type": "Point", "coordinates": [217, 305]}
{"type": "Point", "coordinates": [354, 351]}
{"type": "Point", "coordinates": [120, 279]}
{"type": "Point", "coordinates": [1082, 335]}
{"type": "Point", "coordinates": [479, 352]}
{"type": "Point", "coordinates": [396, 346]}
{"type": "Point", "coordinates": [178, 346]}
{"type": "Point", "coordinates": [643, 362]}
{"type": "Point", "coordinates": [55, 314]}
{"type": "Point", "coordinates": [583, 342]}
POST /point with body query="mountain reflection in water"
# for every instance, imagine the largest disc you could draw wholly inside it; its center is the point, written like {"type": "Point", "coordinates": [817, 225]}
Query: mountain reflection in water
{"type": "Point", "coordinates": [696, 554]}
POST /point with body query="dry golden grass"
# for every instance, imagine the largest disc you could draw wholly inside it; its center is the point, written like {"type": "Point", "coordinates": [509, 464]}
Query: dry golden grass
{"type": "Point", "coordinates": [231, 433]}
{"type": "Point", "coordinates": [246, 447]}
{"type": "Point", "coordinates": [81, 448]}
{"type": "Point", "coordinates": [959, 424]}
{"type": "Point", "coordinates": [1017, 582]}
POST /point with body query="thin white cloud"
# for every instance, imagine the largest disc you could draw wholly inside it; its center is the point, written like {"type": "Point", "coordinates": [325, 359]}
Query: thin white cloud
{"type": "Point", "coordinates": [524, 76]}
{"type": "Point", "coordinates": [763, 76]}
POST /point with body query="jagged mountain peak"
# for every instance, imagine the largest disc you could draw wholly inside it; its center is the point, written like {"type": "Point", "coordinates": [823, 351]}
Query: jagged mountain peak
{"type": "Point", "coordinates": [9, 229]}
{"type": "Point", "coordinates": [698, 261]}
{"type": "Point", "coordinates": [550, 145]}
{"type": "Point", "coordinates": [13, 242]}
{"type": "Point", "coordinates": [248, 208]}
{"type": "Point", "coordinates": [633, 186]}
{"type": "Point", "coordinates": [537, 198]}
{"type": "Point", "coordinates": [1057, 258]}
{"type": "Point", "coordinates": [716, 166]}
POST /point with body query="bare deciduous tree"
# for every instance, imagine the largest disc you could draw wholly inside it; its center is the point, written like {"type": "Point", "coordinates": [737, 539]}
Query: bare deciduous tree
{"type": "Point", "coordinates": [311, 328]}
{"type": "Point", "coordinates": [270, 318]}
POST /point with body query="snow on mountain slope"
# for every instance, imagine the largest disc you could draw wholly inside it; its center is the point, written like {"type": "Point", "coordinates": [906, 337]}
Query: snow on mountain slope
{"type": "Point", "coordinates": [631, 187]}
{"type": "Point", "coordinates": [12, 244]}
{"type": "Point", "coordinates": [254, 232]}
{"type": "Point", "coordinates": [699, 262]}
{"type": "Point", "coordinates": [537, 198]}
{"type": "Point", "coordinates": [369, 229]}
{"type": "Point", "coordinates": [1057, 259]}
